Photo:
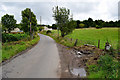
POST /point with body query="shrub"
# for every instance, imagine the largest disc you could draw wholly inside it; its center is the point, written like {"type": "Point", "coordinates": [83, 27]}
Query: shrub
{"type": "Point", "coordinates": [98, 26]}
{"type": "Point", "coordinates": [48, 32]}
{"type": "Point", "coordinates": [41, 28]}
{"type": "Point", "coordinates": [107, 67]}
{"type": "Point", "coordinates": [81, 25]}
{"type": "Point", "coordinates": [13, 37]}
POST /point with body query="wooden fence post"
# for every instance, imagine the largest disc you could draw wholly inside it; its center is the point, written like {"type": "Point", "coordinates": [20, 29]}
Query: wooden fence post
{"type": "Point", "coordinates": [75, 42]}
{"type": "Point", "coordinates": [98, 43]}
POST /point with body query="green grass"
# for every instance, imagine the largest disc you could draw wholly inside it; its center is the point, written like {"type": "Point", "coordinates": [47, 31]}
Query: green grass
{"type": "Point", "coordinates": [107, 67]}
{"type": "Point", "coordinates": [91, 36]}
{"type": "Point", "coordinates": [10, 49]}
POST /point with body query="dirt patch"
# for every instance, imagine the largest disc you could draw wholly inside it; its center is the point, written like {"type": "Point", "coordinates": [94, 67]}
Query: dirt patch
{"type": "Point", "coordinates": [65, 56]}
{"type": "Point", "coordinates": [90, 56]}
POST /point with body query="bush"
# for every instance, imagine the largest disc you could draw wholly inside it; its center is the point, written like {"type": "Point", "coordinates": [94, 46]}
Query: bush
{"type": "Point", "coordinates": [13, 37]}
{"type": "Point", "coordinates": [81, 25]}
{"type": "Point", "coordinates": [107, 67]}
{"type": "Point", "coordinates": [98, 26]}
{"type": "Point", "coordinates": [48, 32]}
{"type": "Point", "coordinates": [41, 28]}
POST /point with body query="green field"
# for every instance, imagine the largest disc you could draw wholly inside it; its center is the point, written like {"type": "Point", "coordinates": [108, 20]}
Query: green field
{"type": "Point", "coordinates": [92, 35]}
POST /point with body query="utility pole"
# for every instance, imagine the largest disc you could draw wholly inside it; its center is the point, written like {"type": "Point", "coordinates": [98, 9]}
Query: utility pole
{"type": "Point", "coordinates": [30, 23]}
{"type": "Point", "coordinates": [40, 20]}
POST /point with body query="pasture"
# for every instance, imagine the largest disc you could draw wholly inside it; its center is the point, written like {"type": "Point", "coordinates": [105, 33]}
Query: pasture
{"type": "Point", "coordinates": [92, 35]}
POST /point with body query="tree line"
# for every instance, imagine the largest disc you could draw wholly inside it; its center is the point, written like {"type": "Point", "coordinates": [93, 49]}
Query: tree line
{"type": "Point", "coordinates": [90, 23]}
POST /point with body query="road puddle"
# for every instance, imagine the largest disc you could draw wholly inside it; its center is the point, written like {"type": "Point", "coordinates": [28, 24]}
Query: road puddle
{"type": "Point", "coordinates": [78, 72]}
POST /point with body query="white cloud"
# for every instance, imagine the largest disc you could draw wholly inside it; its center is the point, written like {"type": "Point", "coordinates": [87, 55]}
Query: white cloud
{"type": "Point", "coordinates": [81, 9]}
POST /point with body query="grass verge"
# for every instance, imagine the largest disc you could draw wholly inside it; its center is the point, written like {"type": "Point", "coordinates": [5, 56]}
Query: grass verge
{"type": "Point", "coordinates": [107, 67]}
{"type": "Point", "coordinates": [12, 48]}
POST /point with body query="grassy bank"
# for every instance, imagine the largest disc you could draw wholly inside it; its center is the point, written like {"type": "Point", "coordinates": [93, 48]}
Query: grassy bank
{"type": "Point", "coordinates": [107, 67]}
{"type": "Point", "coordinates": [89, 36]}
{"type": "Point", "coordinates": [12, 48]}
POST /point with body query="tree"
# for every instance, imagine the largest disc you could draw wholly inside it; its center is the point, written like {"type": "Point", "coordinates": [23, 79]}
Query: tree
{"type": "Point", "coordinates": [27, 17]}
{"type": "Point", "coordinates": [99, 22]}
{"type": "Point", "coordinates": [81, 25]}
{"type": "Point", "coordinates": [78, 22]}
{"type": "Point", "coordinates": [8, 22]}
{"type": "Point", "coordinates": [86, 23]}
{"type": "Point", "coordinates": [61, 16]}
{"type": "Point", "coordinates": [49, 26]}
{"type": "Point", "coordinates": [68, 28]}
{"type": "Point", "coordinates": [90, 22]}
{"type": "Point", "coordinates": [54, 26]}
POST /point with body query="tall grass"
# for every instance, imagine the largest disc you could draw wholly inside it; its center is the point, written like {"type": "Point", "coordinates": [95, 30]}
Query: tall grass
{"type": "Point", "coordinates": [12, 48]}
{"type": "Point", "coordinates": [107, 67]}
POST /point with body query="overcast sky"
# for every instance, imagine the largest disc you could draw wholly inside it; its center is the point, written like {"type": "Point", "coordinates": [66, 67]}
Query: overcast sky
{"type": "Point", "coordinates": [81, 9]}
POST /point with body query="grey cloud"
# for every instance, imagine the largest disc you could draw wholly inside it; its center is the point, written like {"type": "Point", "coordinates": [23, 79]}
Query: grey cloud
{"type": "Point", "coordinates": [44, 9]}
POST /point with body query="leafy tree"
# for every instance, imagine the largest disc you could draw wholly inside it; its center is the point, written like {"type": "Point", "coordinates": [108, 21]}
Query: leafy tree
{"type": "Point", "coordinates": [81, 25]}
{"type": "Point", "coordinates": [118, 23]}
{"type": "Point", "coordinates": [86, 23]}
{"type": "Point", "coordinates": [78, 22]}
{"type": "Point", "coordinates": [8, 22]}
{"type": "Point", "coordinates": [99, 22]}
{"type": "Point", "coordinates": [68, 28]}
{"type": "Point", "coordinates": [90, 22]}
{"type": "Point", "coordinates": [49, 26]}
{"type": "Point", "coordinates": [28, 16]}
{"type": "Point", "coordinates": [61, 16]}
{"type": "Point", "coordinates": [54, 26]}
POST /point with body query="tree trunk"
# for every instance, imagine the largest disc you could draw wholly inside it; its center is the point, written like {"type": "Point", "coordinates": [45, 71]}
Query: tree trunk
{"type": "Point", "coordinates": [62, 34]}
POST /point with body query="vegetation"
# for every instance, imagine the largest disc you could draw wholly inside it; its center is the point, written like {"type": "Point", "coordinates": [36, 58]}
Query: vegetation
{"type": "Point", "coordinates": [27, 17]}
{"type": "Point", "coordinates": [48, 32]}
{"type": "Point", "coordinates": [12, 48]}
{"type": "Point", "coordinates": [15, 43]}
{"type": "Point", "coordinates": [92, 23]}
{"type": "Point", "coordinates": [40, 28]}
{"type": "Point", "coordinates": [81, 25]}
{"type": "Point", "coordinates": [8, 23]}
{"type": "Point", "coordinates": [98, 27]}
{"type": "Point", "coordinates": [54, 26]}
{"type": "Point", "coordinates": [93, 35]}
{"type": "Point", "coordinates": [107, 67]}
{"type": "Point", "coordinates": [89, 36]}
{"type": "Point", "coordinates": [13, 37]}
{"type": "Point", "coordinates": [61, 16]}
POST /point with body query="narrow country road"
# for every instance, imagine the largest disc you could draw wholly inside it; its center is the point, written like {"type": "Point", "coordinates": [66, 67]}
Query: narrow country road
{"type": "Point", "coordinates": [42, 61]}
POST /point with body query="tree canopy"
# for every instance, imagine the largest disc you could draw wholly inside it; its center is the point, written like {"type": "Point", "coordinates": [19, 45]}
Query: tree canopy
{"type": "Point", "coordinates": [61, 16]}
{"type": "Point", "coordinates": [27, 17]}
{"type": "Point", "coordinates": [8, 23]}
